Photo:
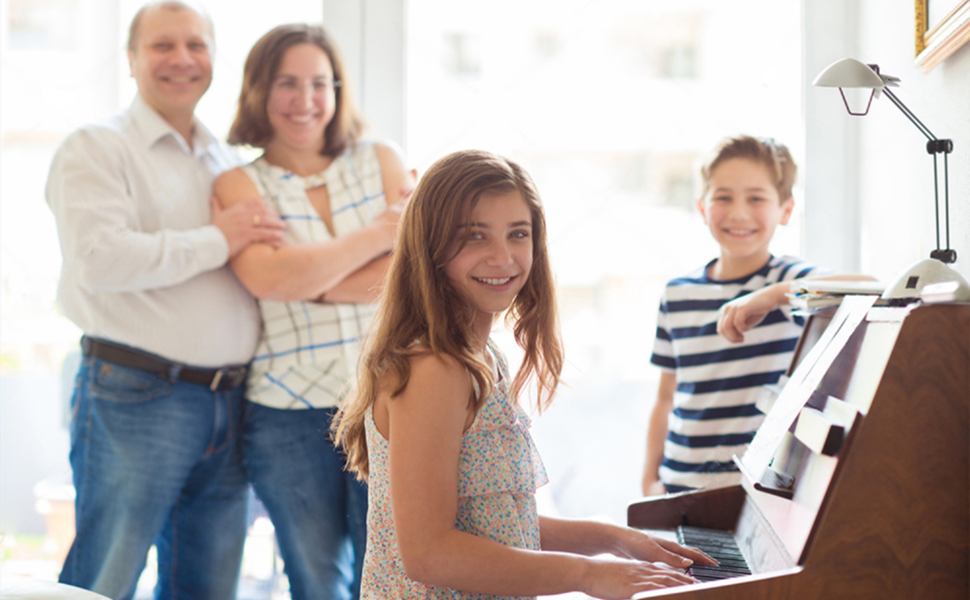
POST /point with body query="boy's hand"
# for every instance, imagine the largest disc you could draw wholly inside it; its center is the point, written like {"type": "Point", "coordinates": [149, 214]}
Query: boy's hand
{"type": "Point", "coordinates": [653, 487]}
{"type": "Point", "coordinates": [741, 314]}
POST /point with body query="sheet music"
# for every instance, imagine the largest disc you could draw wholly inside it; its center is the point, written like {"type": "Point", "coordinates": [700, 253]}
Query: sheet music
{"type": "Point", "coordinates": [804, 381]}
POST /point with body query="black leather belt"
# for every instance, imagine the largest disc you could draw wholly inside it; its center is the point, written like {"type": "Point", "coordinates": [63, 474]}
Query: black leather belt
{"type": "Point", "coordinates": [224, 378]}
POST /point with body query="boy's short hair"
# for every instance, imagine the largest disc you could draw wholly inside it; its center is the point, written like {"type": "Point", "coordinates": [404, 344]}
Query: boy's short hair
{"type": "Point", "coordinates": [766, 151]}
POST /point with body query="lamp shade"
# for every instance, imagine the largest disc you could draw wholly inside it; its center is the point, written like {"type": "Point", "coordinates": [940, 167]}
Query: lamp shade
{"type": "Point", "coordinates": [849, 73]}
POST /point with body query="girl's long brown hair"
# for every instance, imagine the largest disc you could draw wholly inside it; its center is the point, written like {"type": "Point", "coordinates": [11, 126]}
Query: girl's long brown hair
{"type": "Point", "coordinates": [419, 303]}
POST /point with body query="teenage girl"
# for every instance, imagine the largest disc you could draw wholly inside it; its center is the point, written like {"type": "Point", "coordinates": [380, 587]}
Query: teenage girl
{"type": "Point", "coordinates": [435, 425]}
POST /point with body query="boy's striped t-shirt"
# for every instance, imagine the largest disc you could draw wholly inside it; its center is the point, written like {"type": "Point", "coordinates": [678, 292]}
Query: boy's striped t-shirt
{"type": "Point", "coordinates": [718, 382]}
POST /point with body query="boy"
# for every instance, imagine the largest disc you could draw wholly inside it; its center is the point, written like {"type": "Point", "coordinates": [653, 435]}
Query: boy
{"type": "Point", "coordinates": [705, 410]}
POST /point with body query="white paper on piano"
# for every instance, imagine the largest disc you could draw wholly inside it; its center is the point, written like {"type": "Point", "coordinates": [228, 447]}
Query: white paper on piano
{"type": "Point", "coordinates": [806, 378]}
{"type": "Point", "coordinates": [841, 287]}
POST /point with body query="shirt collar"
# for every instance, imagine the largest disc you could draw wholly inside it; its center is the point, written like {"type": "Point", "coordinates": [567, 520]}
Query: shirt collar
{"type": "Point", "coordinates": [154, 128]}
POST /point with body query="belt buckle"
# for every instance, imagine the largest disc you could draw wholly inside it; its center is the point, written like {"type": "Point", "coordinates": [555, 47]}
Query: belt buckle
{"type": "Point", "coordinates": [215, 381]}
{"type": "Point", "coordinates": [237, 375]}
{"type": "Point", "coordinates": [233, 375]}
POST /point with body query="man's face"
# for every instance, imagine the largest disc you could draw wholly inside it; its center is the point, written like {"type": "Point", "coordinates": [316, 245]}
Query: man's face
{"type": "Point", "coordinates": [172, 60]}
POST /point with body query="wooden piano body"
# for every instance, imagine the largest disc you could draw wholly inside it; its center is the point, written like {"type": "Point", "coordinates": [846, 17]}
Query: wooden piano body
{"type": "Point", "coordinates": [888, 516]}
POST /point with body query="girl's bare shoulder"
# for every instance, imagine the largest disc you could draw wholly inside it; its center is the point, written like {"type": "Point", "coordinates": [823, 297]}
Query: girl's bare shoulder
{"type": "Point", "coordinates": [430, 370]}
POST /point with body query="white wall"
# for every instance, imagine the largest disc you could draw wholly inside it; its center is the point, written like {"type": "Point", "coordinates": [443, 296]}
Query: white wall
{"type": "Point", "coordinates": [885, 169]}
{"type": "Point", "coordinates": [898, 218]}
{"type": "Point", "coordinates": [372, 37]}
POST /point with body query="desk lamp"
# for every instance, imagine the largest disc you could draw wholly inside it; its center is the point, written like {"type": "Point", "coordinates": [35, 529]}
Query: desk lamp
{"type": "Point", "coordinates": [850, 73]}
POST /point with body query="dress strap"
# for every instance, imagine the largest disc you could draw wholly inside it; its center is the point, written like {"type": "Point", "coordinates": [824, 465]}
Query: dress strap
{"type": "Point", "coordinates": [499, 356]}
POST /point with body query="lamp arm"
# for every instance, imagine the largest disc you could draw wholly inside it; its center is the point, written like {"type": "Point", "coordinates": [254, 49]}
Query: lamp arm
{"type": "Point", "coordinates": [934, 146]}
{"type": "Point", "coordinates": [936, 193]}
{"type": "Point", "coordinates": [946, 197]}
{"type": "Point", "coordinates": [909, 114]}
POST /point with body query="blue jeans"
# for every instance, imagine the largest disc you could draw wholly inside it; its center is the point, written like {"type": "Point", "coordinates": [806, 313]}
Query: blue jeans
{"type": "Point", "coordinates": [319, 510]}
{"type": "Point", "coordinates": [158, 462]}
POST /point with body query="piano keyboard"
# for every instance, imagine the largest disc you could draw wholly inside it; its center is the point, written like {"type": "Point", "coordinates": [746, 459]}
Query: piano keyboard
{"type": "Point", "coordinates": [718, 544]}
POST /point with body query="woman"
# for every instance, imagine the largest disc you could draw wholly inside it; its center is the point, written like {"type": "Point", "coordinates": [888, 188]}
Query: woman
{"type": "Point", "coordinates": [340, 199]}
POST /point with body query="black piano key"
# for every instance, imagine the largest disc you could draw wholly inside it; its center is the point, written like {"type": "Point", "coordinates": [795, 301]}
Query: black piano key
{"type": "Point", "coordinates": [721, 546]}
{"type": "Point", "coordinates": [707, 574]}
{"type": "Point", "coordinates": [732, 562]}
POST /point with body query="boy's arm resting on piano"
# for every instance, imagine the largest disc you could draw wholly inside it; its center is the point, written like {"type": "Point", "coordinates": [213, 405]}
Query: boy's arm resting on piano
{"type": "Point", "coordinates": [744, 313]}
{"type": "Point", "coordinates": [657, 433]}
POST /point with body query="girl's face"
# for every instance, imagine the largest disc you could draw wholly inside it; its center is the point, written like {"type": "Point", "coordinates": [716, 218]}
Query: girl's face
{"type": "Point", "coordinates": [301, 100]}
{"type": "Point", "coordinates": [497, 257]}
{"type": "Point", "coordinates": [742, 210]}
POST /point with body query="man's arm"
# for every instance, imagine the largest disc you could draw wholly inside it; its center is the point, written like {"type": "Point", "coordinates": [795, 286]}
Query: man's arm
{"type": "Point", "coordinates": [89, 193]}
{"type": "Point", "coordinates": [657, 433]}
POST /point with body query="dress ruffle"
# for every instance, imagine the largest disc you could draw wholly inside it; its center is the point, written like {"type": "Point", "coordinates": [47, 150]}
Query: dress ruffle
{"type": "Point", "coordinates": [506, 459]}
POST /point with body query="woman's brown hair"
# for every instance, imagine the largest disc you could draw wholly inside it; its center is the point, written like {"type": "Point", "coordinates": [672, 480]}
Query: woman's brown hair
{"type": "Point", "coordinates": [420, 303]}
{"type": "Point", "coordinates": [251, 125]}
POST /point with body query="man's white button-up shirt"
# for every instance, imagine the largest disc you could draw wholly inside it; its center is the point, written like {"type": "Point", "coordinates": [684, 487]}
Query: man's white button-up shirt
{"type": "Point", "coordinates": [143, 266]}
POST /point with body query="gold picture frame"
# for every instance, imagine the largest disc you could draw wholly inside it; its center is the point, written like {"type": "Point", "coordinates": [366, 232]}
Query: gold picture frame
{"type": "Point", "coordinates": [935, 43]}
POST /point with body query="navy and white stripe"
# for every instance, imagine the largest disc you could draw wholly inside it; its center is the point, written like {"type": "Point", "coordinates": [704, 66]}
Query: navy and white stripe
{"type": "Point", "coordinates": [308, 350]}
{"type": "Point", "coordinates": [718, 382]}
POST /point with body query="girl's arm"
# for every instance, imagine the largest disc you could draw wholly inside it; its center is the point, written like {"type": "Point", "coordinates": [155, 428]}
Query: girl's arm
{"type": "Point", "coordinates": [741, 314]}
{"type": "Point", "coordinates": [302, 271]}
{"type": "Point", "coordinates": [425, 426]}
{"type": "Point", "coordinates": [657, 434]}
{"type": "Point", "coordinates": [592, 537]}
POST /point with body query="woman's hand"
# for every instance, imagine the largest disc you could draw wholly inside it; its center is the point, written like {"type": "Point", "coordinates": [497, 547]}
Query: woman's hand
{"type": "Point", "coordinates": [620, 579]}
{"type": "Point", "coordinates": [387, 221]}
{"type": "Point", "coordinates": [638, 545]}
{"type": "Point", "coordinates": [386, 224]}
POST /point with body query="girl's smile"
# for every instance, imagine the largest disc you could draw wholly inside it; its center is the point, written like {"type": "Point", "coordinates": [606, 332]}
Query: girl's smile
{"type": "Point", "coordinates": [493, 253]}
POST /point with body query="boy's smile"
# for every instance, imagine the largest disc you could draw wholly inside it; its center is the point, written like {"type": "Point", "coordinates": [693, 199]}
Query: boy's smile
{"type": "Point", "coordinates": [742, 208]}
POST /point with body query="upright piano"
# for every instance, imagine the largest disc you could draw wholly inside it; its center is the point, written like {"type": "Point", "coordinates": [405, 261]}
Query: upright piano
{"type": "Point", "coordinates": [858, 483]}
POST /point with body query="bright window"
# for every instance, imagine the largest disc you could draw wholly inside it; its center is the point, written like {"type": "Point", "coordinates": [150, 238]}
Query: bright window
{"type": "Point", "coordinates": [608, 105]}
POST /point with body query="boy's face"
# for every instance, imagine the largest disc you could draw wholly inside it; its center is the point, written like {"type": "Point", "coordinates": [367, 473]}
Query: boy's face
{"type": "Point", "coordinates": [742, 210]}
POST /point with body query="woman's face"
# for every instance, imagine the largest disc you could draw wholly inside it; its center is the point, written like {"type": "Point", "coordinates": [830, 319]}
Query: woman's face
{"type": "Point", "coordinates": [301, 99]}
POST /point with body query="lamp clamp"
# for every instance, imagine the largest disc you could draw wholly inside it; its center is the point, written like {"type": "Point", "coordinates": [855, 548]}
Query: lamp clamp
{"type": "Point", "coordinates": [947, 256]}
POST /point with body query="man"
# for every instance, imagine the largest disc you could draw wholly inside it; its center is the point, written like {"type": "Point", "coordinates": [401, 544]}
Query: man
{"type": "Point", "coordinates": [168, 328]}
